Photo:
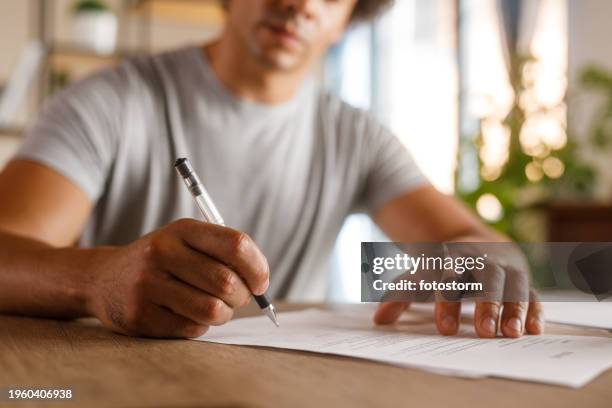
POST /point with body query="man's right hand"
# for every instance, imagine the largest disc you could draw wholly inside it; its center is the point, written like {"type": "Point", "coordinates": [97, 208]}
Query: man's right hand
{"type": "Point", "coordinates": [176, 281]}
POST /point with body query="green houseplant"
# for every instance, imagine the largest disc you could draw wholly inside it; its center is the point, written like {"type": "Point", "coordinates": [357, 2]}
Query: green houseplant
{"type": "Point", "coordinates": [599, 80]}
{"type": "Point", "coordinates": [95, 26]}
{"type": "Point", "coordinates": [90, 6]}
{"type": "Point", "coordinates": [536, 171]}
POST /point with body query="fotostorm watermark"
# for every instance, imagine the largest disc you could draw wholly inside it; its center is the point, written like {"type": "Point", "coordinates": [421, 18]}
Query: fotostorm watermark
{"type": "Point", "coordinates": [500, 271]}
{"type": "Point", "coordinates": [423, 285]}
{"type": "Point", "coordinates": [409, 266]}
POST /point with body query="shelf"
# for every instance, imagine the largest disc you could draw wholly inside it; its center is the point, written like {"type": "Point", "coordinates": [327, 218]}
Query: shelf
{"type": "Point", "coordinates": [11, 132]}
{"type": "Point", "coordinates": [67, 62]}
{"type": "Point", "coordinates": [63, 50]}
{"type": "Point", "coordinates": [199, 12]}
{"type": "Point", "coordinates": [80, 62]}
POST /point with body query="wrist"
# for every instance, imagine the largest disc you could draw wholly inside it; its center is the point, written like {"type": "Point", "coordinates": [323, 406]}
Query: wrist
{"type": "Point", "coordinates": [81, 277]}
{"type": "Point", "coordinates": [95, 266]}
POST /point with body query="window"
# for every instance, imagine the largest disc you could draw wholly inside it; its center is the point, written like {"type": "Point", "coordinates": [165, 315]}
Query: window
{"type": "Point", "coordinates": [404, 69]}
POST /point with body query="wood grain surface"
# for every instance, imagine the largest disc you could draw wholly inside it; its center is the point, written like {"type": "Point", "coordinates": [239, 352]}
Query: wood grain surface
{"type": "Point", "coordinates": [109, 370]}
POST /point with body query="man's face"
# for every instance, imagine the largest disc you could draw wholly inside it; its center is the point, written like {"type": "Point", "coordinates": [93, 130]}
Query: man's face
{"type": "Point", "coordinates": [288, 34]}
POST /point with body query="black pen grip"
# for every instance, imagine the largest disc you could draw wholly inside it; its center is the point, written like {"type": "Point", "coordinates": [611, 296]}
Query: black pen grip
{"type": "Point", "coordinates": [262, 301]}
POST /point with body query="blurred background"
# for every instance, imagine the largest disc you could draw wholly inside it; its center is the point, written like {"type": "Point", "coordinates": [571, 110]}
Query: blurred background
{"type": "Point", "coordinates": [504, 103]}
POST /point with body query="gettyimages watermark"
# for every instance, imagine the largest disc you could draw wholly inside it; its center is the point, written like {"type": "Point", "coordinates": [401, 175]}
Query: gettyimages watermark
{"type": "Point", "coordinates": [497, 272]}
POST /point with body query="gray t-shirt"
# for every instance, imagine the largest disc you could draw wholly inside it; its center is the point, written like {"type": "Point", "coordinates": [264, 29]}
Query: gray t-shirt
{"type": "Point", "coordinates": [286, 174]}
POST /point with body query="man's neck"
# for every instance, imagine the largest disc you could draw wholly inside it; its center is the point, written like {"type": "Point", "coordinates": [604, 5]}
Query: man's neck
{"type": "Point", "coordinates": [247, 78]}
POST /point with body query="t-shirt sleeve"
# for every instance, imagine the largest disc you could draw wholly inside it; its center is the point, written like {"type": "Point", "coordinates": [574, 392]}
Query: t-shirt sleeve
{"type": "Point", "coordinates": [76, 132]}
{"type": "Point", "coordinates": [390, 167]}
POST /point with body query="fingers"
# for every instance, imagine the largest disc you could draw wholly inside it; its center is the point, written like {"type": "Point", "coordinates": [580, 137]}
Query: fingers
{"type": "Point", "coordinates": [233, 248]}
{"type": "Point", "coordinates": [505, 294]}
{"type": "Point", "coordinates": [488, 308]}
{"type": "Point", "coordinates": [516, 296]}
{"type": "Point", "coordinates": [447, 317]}
{"type": "Point", "coordinates": [207, 274]}
{"type": "Point", "coordinates": [535, 318]}
{"type": "Point", "coordinates": [486, 317]}
{"type": "Point", "coordinates": [191, 303]}
{"type": "Point", "coordinates": [389, 312]}
{"type": "Point", "coordinates": [513, 318]}
{"type": "Point", "coordinates": [159, 322]}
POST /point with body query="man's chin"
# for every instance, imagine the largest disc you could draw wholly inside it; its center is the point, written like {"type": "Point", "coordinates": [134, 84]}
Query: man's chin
{"type": "Point", "coordinates": [280, 60]}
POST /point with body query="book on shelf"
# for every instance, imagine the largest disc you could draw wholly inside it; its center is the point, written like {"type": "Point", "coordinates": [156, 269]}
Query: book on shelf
{"type": "Point", "coordinates": [22, 79]}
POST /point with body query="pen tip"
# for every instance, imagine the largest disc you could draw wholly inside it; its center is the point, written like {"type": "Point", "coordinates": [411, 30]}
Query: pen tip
{"type": "Point", "coordinates": [275, 318]}
{"type": "Point", "coordinates": [271, 312]}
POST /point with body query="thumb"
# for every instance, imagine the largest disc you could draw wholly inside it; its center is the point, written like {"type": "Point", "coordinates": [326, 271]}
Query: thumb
{"type": "Point", "coordinates": [389, 312]}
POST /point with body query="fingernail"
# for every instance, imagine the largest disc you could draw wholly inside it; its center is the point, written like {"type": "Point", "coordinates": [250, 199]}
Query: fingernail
{"type": "Point", "coordinates": [449, 324]}
{"type": "Point", "coordinates": [515, 325]}
{"type": "Point", "coordinates": [489, 326]}
{"type": "Point", "coordinates": [537, 324]}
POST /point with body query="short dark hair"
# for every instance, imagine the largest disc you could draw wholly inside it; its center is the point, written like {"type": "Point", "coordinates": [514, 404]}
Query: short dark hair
{"type": "Point", "coordinates": [365, 10]}
{"type": "Point", "coordinates": [368, 10]}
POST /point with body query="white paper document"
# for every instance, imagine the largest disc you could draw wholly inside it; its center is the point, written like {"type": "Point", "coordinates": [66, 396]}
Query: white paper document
{"type": "Point", "coordinates": [597, 315]}
{"type": "Point", "coordinates": [563, 360]}
{"type": "Point", "coordinates": [585, 314]}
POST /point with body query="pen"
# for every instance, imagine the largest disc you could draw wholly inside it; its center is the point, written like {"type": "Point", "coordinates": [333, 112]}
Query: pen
{"type": "Point", "coordinates": [212, 215]}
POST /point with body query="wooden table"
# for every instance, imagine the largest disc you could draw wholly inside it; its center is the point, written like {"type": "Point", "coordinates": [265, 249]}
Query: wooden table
{"type": "Point", "coordinates": [109, 370]}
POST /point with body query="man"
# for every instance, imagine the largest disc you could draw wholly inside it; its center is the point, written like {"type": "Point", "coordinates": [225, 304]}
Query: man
{"type": "Point", "coordinates": [284, 162]}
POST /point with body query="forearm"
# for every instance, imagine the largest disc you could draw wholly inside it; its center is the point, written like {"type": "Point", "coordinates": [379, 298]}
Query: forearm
{"type": "Point", "coordinates": [478, 233]}
{"type": "Point", "coordinates": [497, 246]}
{"type": "Point", "coordinates": [39, 280]}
